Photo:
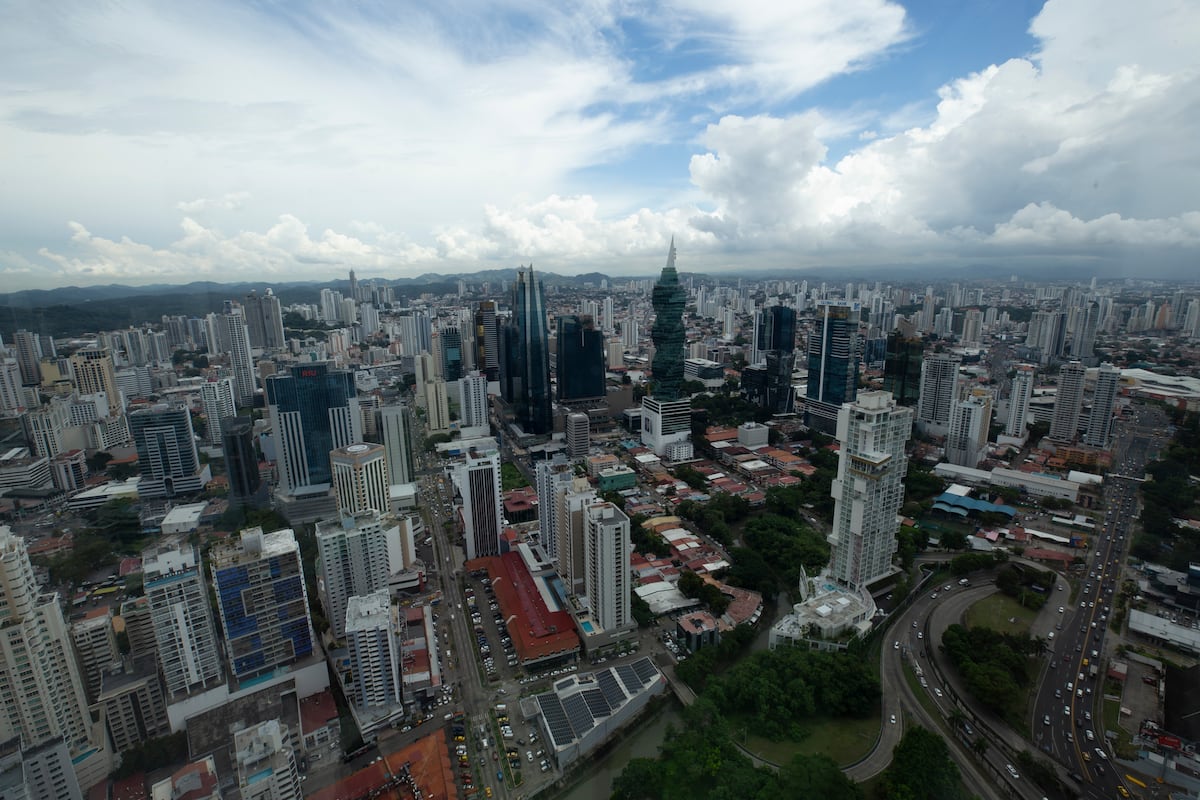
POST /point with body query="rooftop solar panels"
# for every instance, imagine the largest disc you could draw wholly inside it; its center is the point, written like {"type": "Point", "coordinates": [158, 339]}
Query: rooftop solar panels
{"type": "Point", "coordinates": [646, 670]}
{"type": "Point", "coordinates": [577, 714]}
{"type": "Point", "coordinates": [629, 677]}
{"type": "Point", "coordinates": [556, 719]}
{"type": "Point", "coordinates": [596, 703]}
{"type": "Point", "coordinates": [613, 692]}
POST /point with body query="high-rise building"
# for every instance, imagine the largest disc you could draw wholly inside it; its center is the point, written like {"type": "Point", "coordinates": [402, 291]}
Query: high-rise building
{"type": "Point", "coordinates": [1047, 334]}
{"type": "Point", "coordinates": [1068, 402]}
{"type": "Point", "coordinates": [262, 601]}
{"type": "Point", "coordinates": [132, 699]}
{"type": "Point", "coordinates": [767, 382]}
{"type": "Point", "coordinates": [1018, 401]}
{"type": "Point", "coordinates": [970, 420]}
{"type": "Point", "coordinates": [11, 395]}
{"type": "Point", "coordinates": [868, 490]}
{"type": "Point", "coordinates": [903, 357]}
{"type": "Point", "coordinates": [487, 340]}
{"type": "Point", "coordinates": [241, 460]}
{"type": "Point", "coordinates": [478, 482]}
{"type": "Point", "coordinates": [96, 647]}
{"type": "Point", "coordinates": [1083, 343]}
{"type": "Point", "coordinates": [452, 353]}
{"type": "Point", "coordinates": [264, 320]}
{"type": "Point", "coordinates": [669, 299]}
{"type": "Point", "coordinates": [219, 403]}
{"type": "Point", "coordinates": [607, 583]}
{"type": "Point", "coordinates": [571, 525]}
{"type": "Point", "coordinates": [360, 478]}
{"type": "Point", "coordinates": [395, 425]}
{"type": "Point", "coordinates": [29, 357]}
{"type": "Point", "coordinates": [266, 762]}
{"type": "Point", "coordinates": [525, 368]}
{"type": "Point", "coordinates": [313, 409]}
{"type": "Point", "coordinates": [241, 363]}
{"type": "Point", "coordinates": [939, 379]}
{"type": "Point", "coordinates": [139, 628]}
{"type": "Point", "coordinates": [472, 388]}
{"type": "Point", "coordinates": [972, 331]}
{"type": "Point", "coordinates": [167, 457]}
{"type": "Point", "coordinates": [437, 407]}
{"type": "Point", "coordinates": [552, 477]}
{"type": "Point", "coordinates": [93, 373]}
{"type": "Point", "coordinates": [353, 561]}
{"type": "Point", "coordinates": [375, 656]}
{"type": "Point", "coordinates": [579, 359]}
{"type": "Point", "coordinates": [833, 360]}
{"type": "Point", "coordinates": [578, 429]}
{"type": "Point", "coordinates": [184, 634]}
{"type": "Point", "coordinates": [43, 692]}
{"type": "Point", "coordinates": [1104, 397]}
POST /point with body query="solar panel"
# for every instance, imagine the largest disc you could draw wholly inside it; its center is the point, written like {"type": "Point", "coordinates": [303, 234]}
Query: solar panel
{"type": "Point", "coordinates": [613, 692]}
{"type": "Point", "coordinates": [578, 714]}
{"type": "Point", "coordinates": [629, 677]}
{"type": "Point", "coordinates": [646, 670]}
{"type": "Point", "coordinates": [596, 703]}
{"type": "Point", "coordinates": [556, 719]}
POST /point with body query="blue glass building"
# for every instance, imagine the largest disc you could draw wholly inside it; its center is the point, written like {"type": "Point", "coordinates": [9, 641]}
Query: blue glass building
{"type": "Point", "coordinates": [313, 410]}
{"type": "Point", "coordinates": [525, 364]}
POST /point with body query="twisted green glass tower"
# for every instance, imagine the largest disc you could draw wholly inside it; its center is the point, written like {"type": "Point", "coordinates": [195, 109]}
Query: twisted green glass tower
{"type": "Point", "coordinates": [668, 299]}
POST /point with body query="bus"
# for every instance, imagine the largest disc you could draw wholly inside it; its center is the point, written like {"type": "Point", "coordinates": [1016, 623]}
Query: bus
{"type": "Point", "coordinates": [106, 591]}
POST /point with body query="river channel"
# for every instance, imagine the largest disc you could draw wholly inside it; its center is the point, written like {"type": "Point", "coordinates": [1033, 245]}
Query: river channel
{"type": "Point", "coordinates": [643, 743]}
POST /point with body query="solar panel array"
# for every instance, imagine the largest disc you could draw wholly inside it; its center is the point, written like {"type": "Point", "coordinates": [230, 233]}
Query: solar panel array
{"type": "Point", "coordinates": [577, 714]}
{"type": "Point", "coordinates": [613, 692]}
{"type": "Point", "coordinates": [629, 677]}
{"type": "Point", "coordinates": [570, 718]}
{"type": "Point", "coordinates": [646, 670]}
{"type": "Point", "coordinates": [556, 719]}
{"type": "Point", "coordinates": [597, 703]}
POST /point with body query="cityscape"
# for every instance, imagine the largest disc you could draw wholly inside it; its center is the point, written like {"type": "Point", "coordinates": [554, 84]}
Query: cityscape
{"type": "Point", "coordinates": [600, 401]}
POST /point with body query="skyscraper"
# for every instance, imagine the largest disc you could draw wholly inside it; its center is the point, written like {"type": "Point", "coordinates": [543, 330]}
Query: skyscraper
{"type": "Point", "coordinates": [607, 583]}
{"type": "Point", "coordinates": [478, 482]}
{"type": "Point", "coordinates": [833, 359]}
{"type": "Point", "coordinates": [360, 478]}
{"type": "Point", "coordinates": [767, 382]}
{"type": "Point", "coordinates": [939, 379]}
{"type": "Point", "coordinates": [354, 562]}
{"type": "Point", "coordinates": [1068, 403]}
{"type": "Point", "coordinates": [487, 340]}
{"type": "Point", "coordinates": [579, 359]}
{"type": "Point", "coordinates": [183, 626]}
{"type": "Point", "coordinates": [1018, 401]}
{"type": "Point", "coordinates": [902, 368]}
{"type": "Point", "coordinates": [395, 424]}
{"type": "Point", "coordinates": [668, 299]}
{"type": "Point", "coordinates": [552, 477]}
{"type": "Point", "coordinates": [578, 435]}
{"type": "Point", "coordinates": [437, 407]}
{"type": "Point", "coordinates": [472, 388]}
{"type": "Point", "coordinates": [970, 419]}
{"type": "Point", "coordinates": [375, 657]}
{"type": "Point", "coordinates": [1104, 397]}
{"type": "Point", "coordinates": [313, 409]}
{"type": "Point", "coordinates": [262, 601]}
{"type": "Point", "coordinates": [241, 460]}
{"type": "Point", "coordinates": [571, 525]}
{"type": "Point", "coordinates": [166, 448]}
{"type": "Point", "coordinates": [93, 373]}
{"type": "Point", "coordinates": [525, 368]}
{"type": "Point", "coordinates": [241, 364]}
{"type": "Point", "coordinates": [40, 681]}
{"type": "Point", "coordinates": [264, 320]}
{"type": "Point", "coordinates": [217, 399]}
{"type": "Point", "coordinates": [29, 357]}
{"type": "Point", "coordinates": [452, 353]}
{"type": "Point", "coordinates": [868, 490]}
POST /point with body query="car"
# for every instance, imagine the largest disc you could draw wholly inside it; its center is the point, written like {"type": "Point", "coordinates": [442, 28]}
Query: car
{"type": "Point", "coordinates": [1086, 756]}
{"type": "Point", "coordinates": [1103, 756]}
{"type": "Point", "coordinates": [1121, 790]}
{"type": "Point", "coordinates": [1091, 736]}
{"type": "Point", "coordinates": [1046, 720]}
{"type": "Point", "coordinates": [1061, 610]}
{"type": "Point", "coordinates": [893, 719]}
{"type": "Point", "coordinates": [1012, 771]}
{"type": "Point", "coordinates": [896, 645]}
{"type": "Point", "coordinates": [920, 634]}
{"type": "Point", "coordinates": [914, 623]}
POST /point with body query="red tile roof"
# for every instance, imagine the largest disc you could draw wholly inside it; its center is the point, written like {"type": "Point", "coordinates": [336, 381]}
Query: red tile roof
{"type": "Point", "coordinates": [537, 632]}
{"type": "Point", "coordinates": [131, 788]}
{"type": "Point", "coordinates": [317, 711]}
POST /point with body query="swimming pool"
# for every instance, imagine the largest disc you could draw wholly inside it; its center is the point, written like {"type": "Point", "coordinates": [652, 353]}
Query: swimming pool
{"type": "Point", "coordinates": [587, 627]}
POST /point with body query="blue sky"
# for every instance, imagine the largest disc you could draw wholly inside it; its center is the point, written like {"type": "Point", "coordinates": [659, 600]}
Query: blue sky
{"type": "Point", "coordinates": [159, 142]}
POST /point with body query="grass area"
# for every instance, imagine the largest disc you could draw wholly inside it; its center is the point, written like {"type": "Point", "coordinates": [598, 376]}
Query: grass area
{"type": "Point", "coordinates": [511, 477]}
{"type": "Point", "coordinates": [995, 611]}
{"type": "Point", "coordinates": [920, 692]}
{"type": "Point", "coordinates": [843, 739]}
{"type": "Point", "coordinates": [1112, 722]}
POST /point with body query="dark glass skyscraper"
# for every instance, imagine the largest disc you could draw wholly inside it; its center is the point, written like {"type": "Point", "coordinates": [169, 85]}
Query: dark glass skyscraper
{"type": "Point", "coordinates": [579, 358]}
{"type": "Point", "coordinates": [314, 409]}
{"type": "Point", "coordinates": [833, 357]}
{"type": "Point", "coordinates": [525, 368]}
{"type": "Point", "coordinates": [452, 353]}
{"type": "Point", "coordinates": [768, 383]}
{"type": "Point", "coordinates": [487, 340]}
{"type": "Point", "coordinates": [668, 299]}
{"type": "Point", "coordinates": [902, 368]}
{"type": "Point", "coordinates": [241, 460]}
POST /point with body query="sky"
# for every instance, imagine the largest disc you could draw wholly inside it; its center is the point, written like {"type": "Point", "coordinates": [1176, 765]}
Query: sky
{"type": "Point", "coordinates": [165, 142]}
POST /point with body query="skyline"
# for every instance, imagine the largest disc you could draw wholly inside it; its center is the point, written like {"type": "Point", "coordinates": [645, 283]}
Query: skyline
{"type": "Point", "coordinates": [163, 144]}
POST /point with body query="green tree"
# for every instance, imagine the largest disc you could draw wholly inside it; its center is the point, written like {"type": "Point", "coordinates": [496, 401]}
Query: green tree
{"type": "Point", "coordinates": [922, 769]}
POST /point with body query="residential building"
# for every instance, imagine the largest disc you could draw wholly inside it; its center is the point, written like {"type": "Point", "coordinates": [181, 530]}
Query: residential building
{"type": "Point", "coordinates": [570, 527]}
{"type": "Point", "coordinates": [167, 457]}
{"type": "Point", "coordinates": [93, 372]}
{"type": "Point", "coordinates": [184, 634]}
{"type": "Point", "coordinates": [262, 601]}
{"type": "Point", "coordinates": [134, 707]}
{"type": "Point", "coordinates": [360, 478]}
{"type": "Point", "coordinates": [29, 357]}
{"type": "Point", "coordinates": [1104, 398]}
{"type": "Point", "coordinates": [578, 435]}
{"type": "Point", "coordinates": [264, 321]}
{"type": "Point", "coordinates": [970, 421]}
{"type": "Point", "coordinates": [474, 413]}
{"type": "Point", "coordinates": [217, 398]}
{"type": "Point", "coordinates": [353, 561]}
{"type": "Point", "coordinates": [939, 379]}
{"type": "Point", "coordinates": [607, 581]}
{"type": "Point", "coordinates": [868, 490]}
{"type": "Point", "coordinates": [265, 755]}
{"type": "Point", "coordinates": [395, 424]}
{"type": "Point", "coordinates": [437, 407]}
{"type": "Point", "coordinates": [1018, 401]}
{"type": "Point", "coordinates": [241, 362]}
{"type": "Point", "coordinates": [195, 781]}
{"type": "Point", "coordinates": [375, 658]}
{"type": "Point", "coordinates": [552, 477]}
{"type": "Point", "coordinates": [1068, 402]}
{"type": "Point", "coordinates": [96, 647]}
{"type": "Point", "coordinates": [478, 482]}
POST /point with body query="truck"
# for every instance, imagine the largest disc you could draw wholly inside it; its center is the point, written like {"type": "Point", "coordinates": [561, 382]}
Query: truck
{"type": "Point", "coordinates": [1092, 670]}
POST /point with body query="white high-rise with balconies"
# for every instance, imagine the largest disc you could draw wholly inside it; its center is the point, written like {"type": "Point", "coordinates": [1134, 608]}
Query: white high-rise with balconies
{"type": "Point", "coordinates": [353, 561]}
{"type": "Point", "coordinates": [184, 630]}
{"type": "Point", "coordinates": [1018, 401]}
{"type": "Point", "coordinates": [939, 377]}
{"type": "Point", "coordinates": [217, 397]}
{"type": "Point", "coordinates": [1104, 397]}
{"type": "Point", "coordinates": [374, 650]}
{"type": "Point", "coordinates": [266, 762]}
{"type": "Point", "coordinates": [1068, 403]}
{"type": "Point", "coordinates": [868, 490]}
{"type": "Point", "coordinates": [606, 573]}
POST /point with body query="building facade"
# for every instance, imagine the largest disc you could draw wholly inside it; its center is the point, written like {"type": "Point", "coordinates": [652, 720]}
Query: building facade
{"type": "Point", "coordinates": [375, 658]}
{"type": "Point", "coordinates": [939, 382]}
{"type": "Point", "coordinates": [313, 410]}
{"type": "Point", "coordinates": [833, 361]}
{"type": "Point", "coordinates": [184, 634]}
{"type": "Point", "coordinates": [395, 427]}
{"type": "Point", "coordinates": [579, 358]}
{"type": "Point", "coordinates": [353, 561]}
{"type": "Point", "coordinates": [360, 478]}
{"type": "Point", "coordinates": [478, 483]}
{"type": "Point", "coordinates": [166, 448]}
{"type": "Point", "coordinates": [1068, 403]}
{"type": "Point", "coordinates": [525, 368]}
{"type": "Point", "coordinates": [607, 583]}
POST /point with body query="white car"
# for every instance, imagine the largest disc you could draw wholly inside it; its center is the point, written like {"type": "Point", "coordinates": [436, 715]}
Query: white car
{"type": "Point", "coordinates": [1012, 771]}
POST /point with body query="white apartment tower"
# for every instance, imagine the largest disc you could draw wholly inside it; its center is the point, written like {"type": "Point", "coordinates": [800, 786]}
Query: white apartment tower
{"type": "Point", "coordinates": [473, 389]}
{"type": "Point", "coordinates": [241, 364]}
{"type": "Point", "coordinates": [1104, 397]}
{"type": "Point", "coordinates": [869, 488]}
{"type": "Point", "coordinates": [437, 406]}
{"type": "Point", "coordinates": [939, 377]}
{"type": "Point", "coordinates": [606, 576]}
{"type": "Point", "coordinates": [375, 656]}
{"type": "Point", "coordinates": [1018, 402]}
{"type": "Point", "coordinates": [552, 477]}
{"type": "Point", "coordinates": [1068, 402]}
{"type": "Point", "coordinates": [970, 419]}
{"type": "Point", "coordinates": [183, 625]}
{"type": "Point", "coordinates": [570, 524]}
{"type": "Point", "coordinates": [478, 482]}
{"type": "Point", "coordinates": [360, 478]}
{"type": "Point", "coordinates": [266, 762]}
{"type": "Point", "coordinates": [217, 397]}
{"type": "Point", "coordinates": [395, 424]}
{"type": "Point", "coordinates": [353, 561]}
{"type": "Point", "coordinates": [40, 682]}
{"type": "Point", "coordinates": [578, 435]}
